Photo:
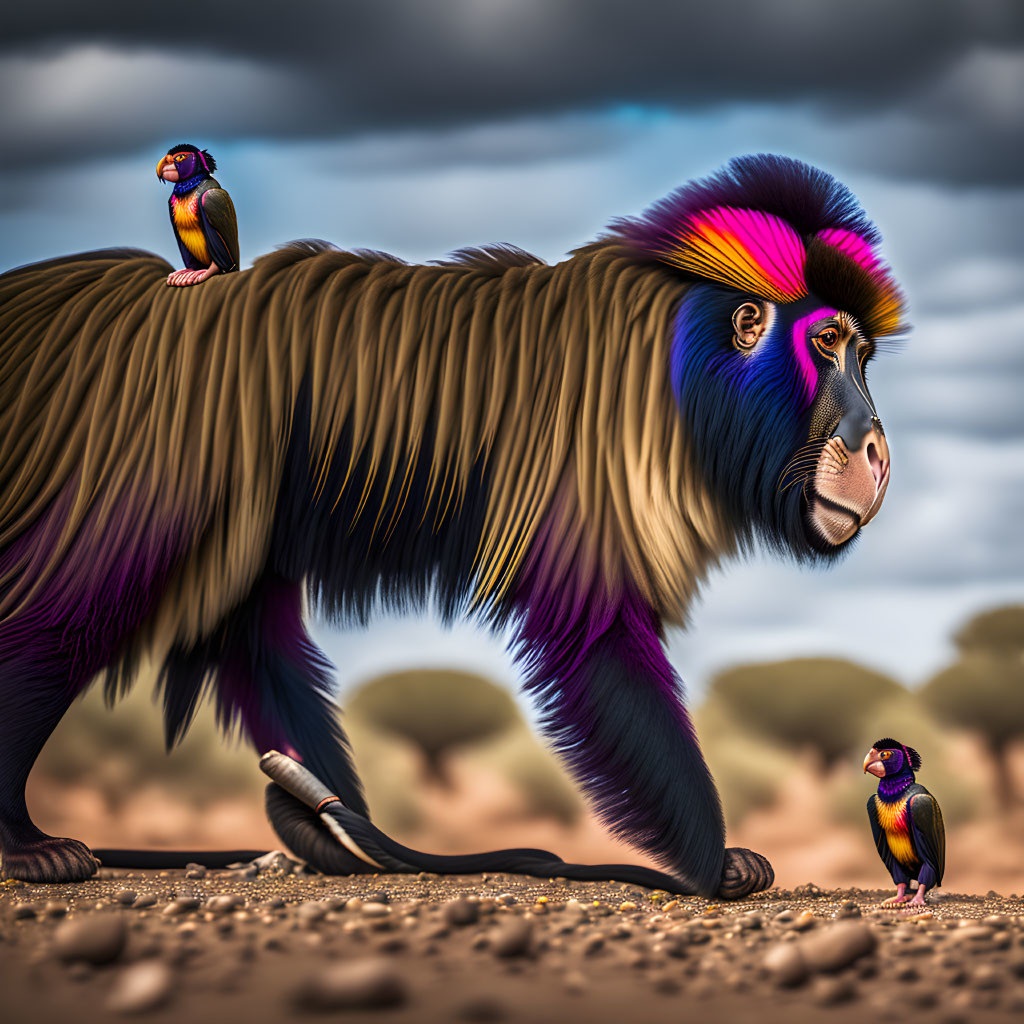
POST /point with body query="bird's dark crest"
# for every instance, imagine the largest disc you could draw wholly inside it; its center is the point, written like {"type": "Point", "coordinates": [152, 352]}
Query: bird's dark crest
{"type": "Point", "coordinates": [888, 743]}
{"type": "Point", "coordinates": [208, 162]}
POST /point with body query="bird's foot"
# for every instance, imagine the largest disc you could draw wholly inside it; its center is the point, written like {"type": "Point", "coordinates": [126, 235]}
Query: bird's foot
{"type": "Point", "coordinates": [918, 900]}
{"type": "Point", "coordinates": [183, 278]}
{"type": "Point", "coordinates": [744, 872]}
{"type": "Point", "coordinates": [48, 859]}
{"type": "Point", "coordinates": [893, 901]}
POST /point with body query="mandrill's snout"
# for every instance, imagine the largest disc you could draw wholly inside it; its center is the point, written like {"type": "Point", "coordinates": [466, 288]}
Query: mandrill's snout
{"type": "Point", "coordinates": [849, 485]}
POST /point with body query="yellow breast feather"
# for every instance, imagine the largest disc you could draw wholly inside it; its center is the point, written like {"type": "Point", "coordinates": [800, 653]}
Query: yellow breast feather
{"type": "Point", "coordinates": [186, 223]}
{"type": "Point", "coordinates": [896, 825]}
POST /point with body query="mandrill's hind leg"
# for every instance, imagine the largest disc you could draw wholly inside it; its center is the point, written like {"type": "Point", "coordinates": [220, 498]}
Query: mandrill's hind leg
{"type": "Point", "coordinates": [33, 700]}
{"type": "Point", "coordinates": [275, 683]}
{"type": "Point", "coordinates": [615, 711]}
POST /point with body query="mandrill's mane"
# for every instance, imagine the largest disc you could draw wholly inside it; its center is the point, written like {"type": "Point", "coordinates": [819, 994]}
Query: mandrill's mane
{"type": "Point", "coordinates": [157, 422]}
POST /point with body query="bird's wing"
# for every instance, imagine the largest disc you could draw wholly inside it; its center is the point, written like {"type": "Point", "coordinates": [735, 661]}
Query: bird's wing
{"type": "Point", "coordinates": [217, 214]}
{"type": "Point", "coordinates": [929, 831]}
{"type": "Point", "coordinates": [881, 843]}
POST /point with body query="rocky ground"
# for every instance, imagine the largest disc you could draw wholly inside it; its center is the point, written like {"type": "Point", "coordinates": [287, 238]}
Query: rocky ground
{"type": "Point", "coordinates": [273, 945]}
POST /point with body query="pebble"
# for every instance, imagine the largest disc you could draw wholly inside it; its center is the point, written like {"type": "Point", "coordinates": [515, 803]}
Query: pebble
{"type": "Point", "coordinates": [97, 938]}
{"type": "Point", "coordinates": [147, 899]}
{"type": "Point", "coordinates": [482, 1009]}
{"type": "Point", "coordinates": [512, 938]}
{"type": "Point", "coordinates": [141, 987]}
{"type": "Point", "coordinates": [181, 905]}
{"type": "Point", "coordinates": [786, 965]}
{"type": "Point", "coordinates": [461, 912]}
{"type": "Point", "coordinates": [835, 947]}
{"type": "Point", "coordinates": [126, 897]}
{"type": "Point", "coordinates": [367, 983]}
{"type": "Point", "coordinates": [829, 991]}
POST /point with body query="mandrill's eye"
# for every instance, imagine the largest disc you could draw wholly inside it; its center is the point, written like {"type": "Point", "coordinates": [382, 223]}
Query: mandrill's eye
{"type": "Point", "coordinates": [178, 157]}
{"type": "Point", "coordinates": [829, 338]}
{"type": "Point", "coordinates": [886, 754]}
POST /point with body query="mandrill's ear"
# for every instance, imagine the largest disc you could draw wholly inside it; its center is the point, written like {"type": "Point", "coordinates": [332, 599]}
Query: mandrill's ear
{"type": "Point", "coordinates": [749, 324]}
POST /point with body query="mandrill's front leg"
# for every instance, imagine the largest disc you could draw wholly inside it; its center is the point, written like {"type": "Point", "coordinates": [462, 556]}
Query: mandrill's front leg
{"type": "Point", "coordinates": [181, 278]}
{"type": "Point", "coordinates": [615, 712]}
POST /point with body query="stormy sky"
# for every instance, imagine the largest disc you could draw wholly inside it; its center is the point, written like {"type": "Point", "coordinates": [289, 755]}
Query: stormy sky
{"type": "Point", "coordinates": [421, 127]}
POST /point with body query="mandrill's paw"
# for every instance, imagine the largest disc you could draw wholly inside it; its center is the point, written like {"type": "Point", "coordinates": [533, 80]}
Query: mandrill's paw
{"type": "Point", "coordinates": [49, 860]}
{"type": "Point", "coordinates": [744, 872]}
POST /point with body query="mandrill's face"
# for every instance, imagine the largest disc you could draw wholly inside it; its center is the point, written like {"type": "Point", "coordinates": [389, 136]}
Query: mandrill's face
{"type": "Point", "coordinates": [783, 421]}
{"type": "Point", "coordinates": [843, 469]}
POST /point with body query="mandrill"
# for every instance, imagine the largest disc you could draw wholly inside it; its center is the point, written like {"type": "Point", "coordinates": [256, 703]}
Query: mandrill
{"type": "Point", "coordinates": [202, 215]}
{"type": "Point", "coordinates": [562, 451]}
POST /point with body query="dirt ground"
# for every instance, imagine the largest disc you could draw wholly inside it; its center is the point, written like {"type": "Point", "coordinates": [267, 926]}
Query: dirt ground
{"type": "Point", "coordinates": [279, 945]}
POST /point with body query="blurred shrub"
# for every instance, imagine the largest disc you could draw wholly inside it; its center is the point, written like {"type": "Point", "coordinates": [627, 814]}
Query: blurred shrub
{"type": "Point", "coordinates": [390, 769]}
{"type": "Point", "coordinates": [999, 631]}
{"type": "Point", "coordinates": [518, 756]}
{"type": "Point", "coordinates": [983, 692]}
{"type": "Point", "coordinates": [749, 771]}
{"type": "Point", "coordinates": [436, 710]}
{"type": "Point", "coordinates": [121, 749]}
{"type": "Point", "coordinates": [906, 717]}
{"type": "Point", "coordinates": [820, 703]}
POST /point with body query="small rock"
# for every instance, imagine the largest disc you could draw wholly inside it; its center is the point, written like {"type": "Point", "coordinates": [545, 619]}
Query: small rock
{"type": "Point", "coordinates": [356, 984]}
{"type": "Point", "coordinates": [277, 862]}
{"type": "Point", "coordinates": [786, 964]}
{"type": "Point", "coordinates": [147, 899]}
{"type": "Point", "coordinates": [96, 939]}
{"type": "Point", "coordinates": [55, 908]}
{"type": "Point", "coordinates": [985, 976]}
{"type": "Point", "coordinates": [848, 909]}
{"type": "Point", "coordinates": [827, 991]}
{"type": "Point", "coordinates": [195, 871]}
{"type": "Point", "coordinates": [836, 946]}
{"type": "Point", "coordinates": [126, 897]}
{"type": "Point", "coordinates": [142, 987]}
{"type": "Point", "coordinates": [181, 905]}
{"type": "Point", "coordinates": [575, 983]}
{"type": "Point", "coordinates": [311, 910]}
{"type": "Point", "coordinates": [225, 903]}
{"type": "Point", "coordinates": [512, 938]}
{"type": "Point", "coordinates": [482, 1008]}
{"type": "Point", "coordinates": [24, 911]}
{"type": "Point", "coordinates": [461, 912]}
{"type": "Point", "coordinates": [376, 910]}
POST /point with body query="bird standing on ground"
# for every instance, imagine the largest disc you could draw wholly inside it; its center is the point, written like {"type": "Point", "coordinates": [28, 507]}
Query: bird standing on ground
{"type": "Point", "coordinates": [905, 821]}
{"type": "Point", "coordinates": [202, 215]}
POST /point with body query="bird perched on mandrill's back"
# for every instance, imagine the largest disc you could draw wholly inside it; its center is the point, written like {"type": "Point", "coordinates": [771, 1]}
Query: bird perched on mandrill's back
{"type": "Point", "coordinates": [905, 820]}
{"type": "Point", "coordinates": [202, 215]}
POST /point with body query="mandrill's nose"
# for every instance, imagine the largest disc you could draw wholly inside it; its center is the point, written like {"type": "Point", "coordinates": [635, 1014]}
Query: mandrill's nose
{"type": "Point", "coordinates": [875, 452]}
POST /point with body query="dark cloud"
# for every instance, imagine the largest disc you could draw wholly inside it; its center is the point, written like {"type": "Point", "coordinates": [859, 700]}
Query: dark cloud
{"type": "Point", "coordinates": [327, 69]}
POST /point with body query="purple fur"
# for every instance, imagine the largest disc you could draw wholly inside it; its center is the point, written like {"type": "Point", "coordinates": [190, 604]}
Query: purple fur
{"type": "Point", "coordinates": [613, 706]}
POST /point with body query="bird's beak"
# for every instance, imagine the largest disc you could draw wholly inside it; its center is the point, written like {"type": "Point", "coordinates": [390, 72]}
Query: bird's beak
{"type": "Point", "coordinates": [873, 764]}
{"type": "Point", "coordinates": [163, 171]}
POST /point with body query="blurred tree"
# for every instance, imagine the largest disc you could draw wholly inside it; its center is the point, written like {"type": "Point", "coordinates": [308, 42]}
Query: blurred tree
{"type": "Point", "coordinates": [999, 631]}
{"type": "Point", "coordinates": [436, 710]}
{"type": "Point", "coordinates": [120, 750]}
{"type": "Point", "coordinates": [749, 770]}
{"type": "Point", "coordinates": [821, 703]}
{"type": "Point", "coordinates": [984, 691]}
{"type": "Point", "coordinates": [544, 785]}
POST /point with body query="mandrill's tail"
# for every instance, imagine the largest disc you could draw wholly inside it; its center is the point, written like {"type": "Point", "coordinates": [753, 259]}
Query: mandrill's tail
{"type": "Point", "coordinates": [320, 829]}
